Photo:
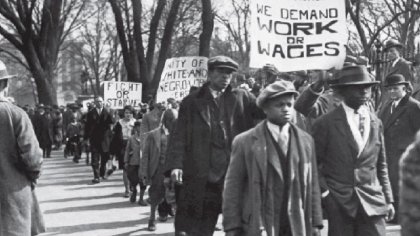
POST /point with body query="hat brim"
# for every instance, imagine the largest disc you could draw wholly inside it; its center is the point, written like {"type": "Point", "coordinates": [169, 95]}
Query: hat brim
{"type": "Point", "coordinates": [233, 69]}
{"type": "Point", "coordinates": [399, 83]}
{"type": "Point", "coordinates": [394, 46]}
{"type": "Point", "coordinates": [7, 77]}
{"type": "Point", "coordinates": [354, 83]}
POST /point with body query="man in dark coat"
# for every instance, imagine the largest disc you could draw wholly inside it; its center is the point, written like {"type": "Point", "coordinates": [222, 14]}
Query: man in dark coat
{"type": "Point", "coordinates": [97, 130]}
{"type": "Point", "coordinates": [20, 166]}
{"type": "Point", "coordinates": [43, 127]}
{"type": "Point", "coordinates": [401, 119]}
{"type": "Point", "coordinates": [352, 162]}
{"type": "Point", "coordinates": [199, 149]}
{"type": "Point", "coordinates": [410, 189]}
{"type": "Point", "coordinates": [398, 64]}
{"type": "Point", "coordinates": [272, 180]}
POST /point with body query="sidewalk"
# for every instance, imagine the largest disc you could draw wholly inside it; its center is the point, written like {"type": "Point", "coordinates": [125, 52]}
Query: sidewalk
{"type": "Point", "coordinates": [73, 206]}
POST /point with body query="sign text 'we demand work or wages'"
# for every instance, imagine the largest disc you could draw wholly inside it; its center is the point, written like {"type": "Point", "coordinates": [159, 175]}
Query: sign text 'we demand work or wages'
{"type": "Point", "coordinates": [179, 75]}
{"type": "Point", "coordinates": [298, 34]}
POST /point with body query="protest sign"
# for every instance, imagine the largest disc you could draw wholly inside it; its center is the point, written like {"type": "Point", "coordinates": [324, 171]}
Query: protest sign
{"type": "Point", "coordinates": [119, 94]}
{"type": "Point", "coordinates": [298, 34]}
{"type": "Point", "coordinates": [179, 75]}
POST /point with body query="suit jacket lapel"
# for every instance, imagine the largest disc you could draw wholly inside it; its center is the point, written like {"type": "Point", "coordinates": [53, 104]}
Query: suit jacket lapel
{"type": "Point", "coordinates": [343, 127]}
{"type": "Point", "coordinates": [398, 111]}
{"type": "Point", "coordinates": [202, 103]}
{"type": "Point", "coordinates": [230, 104]}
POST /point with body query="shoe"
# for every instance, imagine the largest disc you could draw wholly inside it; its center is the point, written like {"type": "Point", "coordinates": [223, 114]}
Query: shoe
{"type": "Point", "coordinates": [152, 225]}
{"type": "Point", "coordinates": [104, 177]}
{"type": "Point", "coordinates": [109, 172]}
{"type": "Point", "coordinates": [127, 194]}
{"type": "Point", "coordinates": [142, 202]}
{"type": "Point", "coordinates": [163, 218]}
{"type": "Point", "coordinates": [133, 197]}
{"type": "Point", "coordinates": [87, 161]}
{"type": "Point", "coordinates": [75, 160]}
{"type": "Point", "coordinates": [96, 181]}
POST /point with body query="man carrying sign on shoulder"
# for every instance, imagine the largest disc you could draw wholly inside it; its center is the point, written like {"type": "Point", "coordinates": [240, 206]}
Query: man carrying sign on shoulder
{"type": "Point", "coordinates": [199, 148]}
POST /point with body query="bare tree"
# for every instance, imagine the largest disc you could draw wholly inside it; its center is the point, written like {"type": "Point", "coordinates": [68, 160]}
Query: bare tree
{"type": "Point", "coordinates": [37, 29]}
{"type": "Point", "coordinates": [98, 49]}
{"type": "Point", "coordinates": [129, 26]}
{"type": "Point", "coordinates": [237, 23]}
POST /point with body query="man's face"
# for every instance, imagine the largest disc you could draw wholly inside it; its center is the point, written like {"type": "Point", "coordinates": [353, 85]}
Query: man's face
{"type": "Point", "coordinates": [393, 53]}
{"type": "Point", "coordinates": [279, 110]}
{"type": "Point", "coordinates": [99, 102]}
{"type": "Point", "coordinates": [396, 92]}
{"type": "Point", "coordinates": [356, 95]}
{"type": "Point", "coordinates": [220, 78]}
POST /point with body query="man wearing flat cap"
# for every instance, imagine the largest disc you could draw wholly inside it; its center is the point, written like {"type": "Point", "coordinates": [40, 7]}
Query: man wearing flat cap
{"type": "Point", "coordinates": [398, 64]}
{"type": "Point", "coordinates": [199, 148]}
{"type": "Point", "coordinates": [272, 182]}
{"type": "Point", "coordinates": [353, 172]}
{"type": "Point", "coordinates": [400, 116]}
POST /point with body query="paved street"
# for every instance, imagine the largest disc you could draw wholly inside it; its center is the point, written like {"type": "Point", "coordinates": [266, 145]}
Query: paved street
{"type": "Point", "coordinates": [73, 206]}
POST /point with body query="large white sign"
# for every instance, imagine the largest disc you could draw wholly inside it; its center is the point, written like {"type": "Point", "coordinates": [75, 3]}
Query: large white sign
{"type": "Point", "coordinates": [298, 34]}
{"type": "Point", "coordinates": [179, 75]}
{"type": "Point", "coordinates": [119, 94]}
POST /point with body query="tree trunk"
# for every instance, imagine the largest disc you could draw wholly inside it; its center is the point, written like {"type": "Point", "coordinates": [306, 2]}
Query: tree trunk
{"type": "Point", "coordinates": [208, 24]}
{"type": "Point", "coordinates": [144, 73]}
{"type": "Point", "coordinates": [47, 93]}
{"type": "Point", "coordinates": [151, 45]}
{"type": "Point", "coordinates": [165, 46]}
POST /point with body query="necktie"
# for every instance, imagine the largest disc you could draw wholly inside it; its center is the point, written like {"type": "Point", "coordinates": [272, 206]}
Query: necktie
{"type": "Point", "coordinates": [361, 123]}
{"type": "Point", "coordinates": [393, 107]}
{"type": "Point", "coordinates": [283, 141]}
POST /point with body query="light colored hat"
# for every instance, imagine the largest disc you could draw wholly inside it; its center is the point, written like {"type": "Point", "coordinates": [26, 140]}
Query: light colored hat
{"type": "Point", "coordinates": [276, 89]}
{"type": "Point", "coordinates": [3, 72]}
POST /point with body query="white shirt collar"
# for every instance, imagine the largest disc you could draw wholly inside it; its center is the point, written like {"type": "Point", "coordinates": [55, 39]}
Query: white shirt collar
{"type": "Point", "coordinates": [216, 93]}
{"type": "Point", "coordinates": [275, 129]}
{"type": "Point", "coordinates": [395, 62]}
{"type": "Point", "coordinates": [362, 109]}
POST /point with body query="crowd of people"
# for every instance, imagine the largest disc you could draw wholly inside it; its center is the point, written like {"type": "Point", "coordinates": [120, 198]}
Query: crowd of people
{"type": "Point", "coordinates": [275, 155]}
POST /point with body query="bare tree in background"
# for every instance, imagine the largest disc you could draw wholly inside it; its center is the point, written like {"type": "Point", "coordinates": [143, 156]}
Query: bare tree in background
{"type": "Point", "coordinates": [375, 20]}
{"type": "Point", "coordinates": [237, 23]}
{"type": "Point", "coordinates": [98, 49]}
{"type": "Point", "coordinates": [37, 29]}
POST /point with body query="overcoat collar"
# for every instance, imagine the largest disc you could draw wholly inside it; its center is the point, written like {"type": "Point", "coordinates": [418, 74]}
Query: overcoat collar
{"type": "Point", "coordinates": [400, 109]}
{"type": "Point", "coordinates": [266, 152]}
{"type": "Point", "coordinates": [204, 99]}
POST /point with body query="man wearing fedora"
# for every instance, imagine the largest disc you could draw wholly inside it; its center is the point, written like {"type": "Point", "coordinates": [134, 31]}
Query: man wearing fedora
{"type": "Point", "coordinates": [353, 172]}
{"type": "Point", "coordinates": [43, 127]}
{"type": "Point", "coordinates": [272, 181]}
{"type": "Point", "coordinates": [400, 116]}
{"type": "Point", "coordinates": [199, 148]}
{"type": "Point", "coordinates": [398, 64]}
{"type": "Point", "coordinates": [20, 166]}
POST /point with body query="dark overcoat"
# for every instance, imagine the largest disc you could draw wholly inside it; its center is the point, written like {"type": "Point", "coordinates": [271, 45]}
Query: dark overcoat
{"type": "Point", "coordinates": [410, 190]}
{"type": "Point", "coordinates": [351, 179]}
{"type": "Point", "coordinates": [400, 128]}
{"type": "Point", "coordinates": [402, 67]}
{"type": "Point", "coordinates": [190, 146]}
{"type": "Point", "coordinates": [43, 126]}
{"type": "Point", "coordinates": [98, 129]}
{"type": "Point", "coordinates": [246, 197]}
{"type": "Point", "coordinates": [20, 165]}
